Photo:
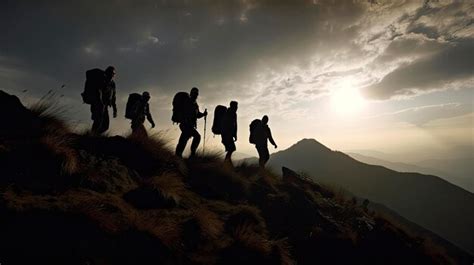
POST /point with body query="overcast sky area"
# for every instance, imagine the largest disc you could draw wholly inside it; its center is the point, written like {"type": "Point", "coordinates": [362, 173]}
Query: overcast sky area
{"type": "Point", "coordinates": [394, 77]}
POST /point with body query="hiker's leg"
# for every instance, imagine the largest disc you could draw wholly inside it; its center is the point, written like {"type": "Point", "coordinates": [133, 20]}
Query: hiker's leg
{"type": "Point", "coordinates": [183, 140]}
{"type": "Point", "coordinates": [229, 144]}
{"type": "Point", "coordinates": [95, 126]}
{"type": "Point", "coordinates": [266, 155]}
{"type": "Point", "coordinates": [260, 156]}
{"type": "Point", "coordinates": [104, 125]}
{"type": "Point", "coordinates": [135, 125]}
{"type": "Point", "coordinates": [138, 129]}
{"type": "Point", "coordinates": [96, 116]}
{"type": "Point", "coordinates": [263, 155]}
{"type": "Point", "coordinates": [141, 130]}
{"type": "Point", "coordinates": [228, 156]}
{"type": "Point", "coordinates": [196, 140]}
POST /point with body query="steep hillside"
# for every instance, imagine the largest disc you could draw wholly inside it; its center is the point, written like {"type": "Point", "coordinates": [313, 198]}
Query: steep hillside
{"type": "Point", "coordinates": [67, 198]}
{"type": "Point", "coordinates": [461, 169]}
{"type": "Point", "coordinates": [464, 181]}
{"type": "Point", "coordinates": [426, 200]}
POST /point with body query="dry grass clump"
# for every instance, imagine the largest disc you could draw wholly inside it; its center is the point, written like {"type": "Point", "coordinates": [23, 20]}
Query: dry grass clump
{"type": "Point", "coordinates": [245, 236]}
{"type": "Point", "coordinates": [203, 236]}
{"type": "Point", "coordinates": [23, 201]}
{"type": "Point", "coordinates": [104, 174]}
{"type": "Point", "coordinates": [172, 187]}
{"type": "Point", "coordinates": [156, 148]}
{"type": "Point", "coordinates": [164, 225]}
{"type": "Point", "coordinates": [60, 147]}
{"type": "Point", "coordinates": [212, 180]}
{"type": "Point", "coordinates": [110, 212]}
{"type": "Point", "coordinates": [164, 191]}
{"type": "Point", "coordinates": [210, 224]}
{"type": "Point", "coordinates": [245, 215]}
{"type": "Point", "coordinates": [51, 122]}
{"type": "Point", "coordinates": [247, 170]}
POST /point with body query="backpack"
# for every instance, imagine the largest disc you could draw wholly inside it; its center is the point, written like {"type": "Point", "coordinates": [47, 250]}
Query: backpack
{"type": "Point", "coordinates": [131, 110]}
{"type": "Point", "coordinates": [219, 116]}
{"type": "Point", "coordinates": [181, 103]}
{"type": "Point", "coordinates": [95, 80]}
{"type": "Point", "coordinates": [255, 131]}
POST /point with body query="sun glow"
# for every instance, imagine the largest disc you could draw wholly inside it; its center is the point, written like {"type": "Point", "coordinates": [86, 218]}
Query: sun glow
{"type": "Point", "coordinates": [346, 100]}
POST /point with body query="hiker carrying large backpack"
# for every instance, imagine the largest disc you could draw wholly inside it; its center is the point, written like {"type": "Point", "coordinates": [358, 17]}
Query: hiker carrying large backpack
{"type": "Point", "coordinates": [260, 134]}
{"type": "Point", "coordinates": [99, 92]}
{"type": "Point", "coordinates": [181, 107]}
{"type": "Point", "coordinates": [186, 112]}
{"type": "Point", "coordinates": [95, 80]}
{"type": "Point", "coordinates": [137, 110]}
{"type": "Point", "coordinates": [225, 124]}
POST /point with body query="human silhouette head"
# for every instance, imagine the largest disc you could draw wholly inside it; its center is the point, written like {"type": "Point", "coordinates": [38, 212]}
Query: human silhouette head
{"type": "Point", "coordinates": [265, 119]}
{"type": "Point", "coordinates": [146, 96]}
{"type": "Point", "coordinates": [110, 72]}
{"type": "Point", "coordinates": [194, 93]}
{"type": "Point", "coordinates": [233, 106]}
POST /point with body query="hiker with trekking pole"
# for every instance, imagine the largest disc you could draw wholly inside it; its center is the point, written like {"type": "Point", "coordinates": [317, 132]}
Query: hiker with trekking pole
{"type": "Point", "coordinates": [186, 113]}
{"type": "Point", "coordinates": [205, 127]}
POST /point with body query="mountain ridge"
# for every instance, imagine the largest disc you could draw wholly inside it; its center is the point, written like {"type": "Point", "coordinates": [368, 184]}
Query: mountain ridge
{"type": "Point", "coordinates": [404, 167]}
{"type": "Point", "coordinates": [430, 201]}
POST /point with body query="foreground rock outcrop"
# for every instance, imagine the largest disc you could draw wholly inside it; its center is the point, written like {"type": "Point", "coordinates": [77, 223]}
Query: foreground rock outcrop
{"type": "Point", "coordinates": [67, 198]}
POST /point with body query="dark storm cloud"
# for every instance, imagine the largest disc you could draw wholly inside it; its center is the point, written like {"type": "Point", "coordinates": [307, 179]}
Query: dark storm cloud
{"type": "Point", "coordinates": [431, 50]}
{"type": "Point", "coordinates": [166, 43]}
{"type": "Point", "coordinates": [453, 63]}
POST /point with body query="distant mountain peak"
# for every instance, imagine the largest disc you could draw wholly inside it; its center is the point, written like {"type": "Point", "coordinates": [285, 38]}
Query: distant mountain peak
{"type": "Point", "coordinates": [309, 144]}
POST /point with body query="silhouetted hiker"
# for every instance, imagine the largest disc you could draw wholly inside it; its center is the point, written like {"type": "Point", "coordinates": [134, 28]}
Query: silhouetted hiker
{"type": "Point", "coordinates": [229, 129]}
{"type": "Point", "coordinates": [99, 92]}
{"type": "Point", "coordinates": [260, 134]}
{"type": "Point", "coordinates": [137, 110]}
{"type": "Point", "coordinates": [225, 125]}
{"type": "Point", "coordinates": [186, 112]}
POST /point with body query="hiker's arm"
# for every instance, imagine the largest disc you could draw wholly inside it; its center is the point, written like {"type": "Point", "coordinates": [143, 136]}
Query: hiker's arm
{"type": "Point", "coordinates": [114, 105]}
{"type": "Point", "coordinates": [201, 114]}
{"type": "Point", "coordinates": [149, 117]}
{"type": "Point", "coordinates": [270, 138]}
{"type": "Point", "coordinates": [234, 133]}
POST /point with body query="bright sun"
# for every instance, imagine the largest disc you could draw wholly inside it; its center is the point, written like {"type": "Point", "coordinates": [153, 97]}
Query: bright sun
{"type": "Point", "coordinates": [347, 100]}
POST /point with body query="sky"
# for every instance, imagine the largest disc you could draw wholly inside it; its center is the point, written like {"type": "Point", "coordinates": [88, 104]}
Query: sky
{"type": "Point", "coordinates": [391, 76]}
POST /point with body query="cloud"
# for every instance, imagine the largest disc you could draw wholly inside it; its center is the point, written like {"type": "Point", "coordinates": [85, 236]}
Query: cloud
{"type": "Point", "coordinates": [92, 49]}
{"type": "Point", "coordinates": [427, 49]}
{"type": "Point", "coordinates": [453, 63]}
{"type": "Point", "coordinates": [141, 45]}
{"type": "Point", "coordinates": [153, 39]}
{"type": "Point", "coordinates": [424, 114]}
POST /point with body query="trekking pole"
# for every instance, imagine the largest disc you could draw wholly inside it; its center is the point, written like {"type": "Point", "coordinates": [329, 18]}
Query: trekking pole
{"type": "Point", "coordinates": [205, 125]}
